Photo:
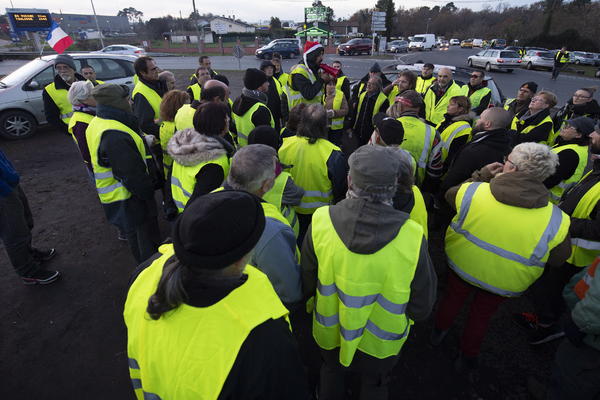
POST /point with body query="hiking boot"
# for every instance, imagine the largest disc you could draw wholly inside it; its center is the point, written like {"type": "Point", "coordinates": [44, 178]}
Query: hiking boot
{"type": "Point", "coordinates": [526, 320]}
{"type": "Point", "coordinates": [43, 255]}
{"type": "Point", "coordinates": [544, 334]}
{"type": "Point", "coordinates": [41, 277]}
{"type": "Point", "coordinates": [437, 336]}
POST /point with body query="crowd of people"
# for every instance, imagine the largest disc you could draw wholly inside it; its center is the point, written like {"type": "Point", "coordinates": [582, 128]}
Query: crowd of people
{"type": "Point", "coordinates": [306, 201]}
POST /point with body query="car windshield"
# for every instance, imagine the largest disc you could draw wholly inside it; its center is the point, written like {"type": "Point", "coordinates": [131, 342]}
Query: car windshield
{"type": "Point", "coordinates": [545, 54]}
{"type": "Point", "coordinates": [509, 54]}
{"type": "Point", "coordinates": [419, 39]}
{"type": "Point", "coordinates": [353, 41]}
{"type": "Point", "coordinates": [25, 72]}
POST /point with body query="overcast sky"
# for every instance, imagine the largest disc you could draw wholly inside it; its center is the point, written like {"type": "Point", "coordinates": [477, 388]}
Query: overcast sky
{"type": "Point", "coordinates": [250, 11]}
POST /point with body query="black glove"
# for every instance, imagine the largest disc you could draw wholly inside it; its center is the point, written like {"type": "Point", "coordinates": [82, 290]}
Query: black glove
{"type": "Point", "coordinates": [573, 332]}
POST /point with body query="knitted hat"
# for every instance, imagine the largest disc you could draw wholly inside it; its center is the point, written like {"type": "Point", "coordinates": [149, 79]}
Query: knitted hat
{"type": "Point", "coordinates": [373, 167]}
{"type": "Point", "coordinates": [65, 59]}
{"type": "Point", "coordinates": [254, 78]}
{"type": "Point", "coordinates": [113, 95]}
{"type": "Point", "coordinates": [583, 125]}
{"type": "Point", "coordinates": [375, 68]}
{"type": "Point", "coordinates": [218, 229]}
{"type": "Point", "coordinates": [264, 134]}
{"type": "Point", "coordinates": [266, 64]}
{"type": "Point", "coordinates": [310, 47]}
{"type": "Point", "coordinates": [390, 129]}
{"type": "Point", "coordinates": [531, 86]}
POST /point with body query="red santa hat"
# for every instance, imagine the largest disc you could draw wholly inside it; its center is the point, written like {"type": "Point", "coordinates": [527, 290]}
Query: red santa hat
{"type": "Point", "coordinates": [309, 47]}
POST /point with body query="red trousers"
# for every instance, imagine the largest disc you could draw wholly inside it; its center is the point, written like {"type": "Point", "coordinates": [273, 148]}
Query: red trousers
{"type": "Point", "coordinates": [483, 307]}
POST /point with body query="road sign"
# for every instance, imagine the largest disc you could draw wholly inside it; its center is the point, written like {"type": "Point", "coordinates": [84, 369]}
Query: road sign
{"type": "Point", "coordinates": [378, 21]}
{"type": "Point", "coordinates": [238, 52]}
{"type": "Point", "coordinates": [315, 14]}
{"type": "Point", "coordinates": [29, 19]}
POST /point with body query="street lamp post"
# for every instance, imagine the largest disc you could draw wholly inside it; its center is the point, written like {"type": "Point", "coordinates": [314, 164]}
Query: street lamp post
{"type": "Point", "coordinates": [97, 26]}
{"type": "Point", "coordinates": [427, 28]}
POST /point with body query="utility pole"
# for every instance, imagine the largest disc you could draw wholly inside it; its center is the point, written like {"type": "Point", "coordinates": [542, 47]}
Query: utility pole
{"type": "Point", "coordinates": [196, 24]}
{"type": "Point", "coordinates": [97, 26]}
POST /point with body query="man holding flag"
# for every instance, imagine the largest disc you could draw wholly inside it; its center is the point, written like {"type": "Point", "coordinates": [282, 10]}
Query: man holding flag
{"type": "Point", "coordinates": [57, 107]}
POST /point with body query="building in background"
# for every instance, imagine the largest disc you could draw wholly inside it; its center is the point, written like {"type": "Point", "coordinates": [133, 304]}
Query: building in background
{"type": "Point", "coordinates": [74, 23]}
{"type": "Point", "coordinates": [224, 25]}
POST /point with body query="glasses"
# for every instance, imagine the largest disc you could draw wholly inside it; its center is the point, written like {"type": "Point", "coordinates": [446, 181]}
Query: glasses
{"type": "Point", "coordinates": [537, 99]}
{"type": "Point", "coordinates": [578, 96]}
{"type": "Point", "coordinates": [476, 76]}
{"type": "Point", "coordinates": [506, 160]}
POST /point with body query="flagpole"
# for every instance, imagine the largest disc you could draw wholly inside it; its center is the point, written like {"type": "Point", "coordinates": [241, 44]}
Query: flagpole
{"type": "Point", "coordinates": [97, 26]}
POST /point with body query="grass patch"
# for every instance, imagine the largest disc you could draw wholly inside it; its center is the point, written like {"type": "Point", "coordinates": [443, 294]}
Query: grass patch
{"type": "Point", "coordinates": [588, 70]}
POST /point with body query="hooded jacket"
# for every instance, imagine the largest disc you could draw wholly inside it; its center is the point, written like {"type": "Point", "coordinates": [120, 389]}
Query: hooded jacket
{"type": "Point", "coordinates": [518, 189]}
{"type": "Point", "coordinates": [189, 148]}
{"type": "Point", "coordinates": [51, 110]}
{"type": "Point", "coordinates": [568, 111]}
{"type": "Point", "coordinates": [365, 228]}
{"type": "Point", "coordinates": [242, 104]}
{"type": "Point", "coordinates": [308, 89]}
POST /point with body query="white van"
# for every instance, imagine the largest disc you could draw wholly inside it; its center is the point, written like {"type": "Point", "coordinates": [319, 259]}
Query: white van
{"type": "Point", "coordinates": [425, 41]}
{"type": "Point", "coordinates": [477, 42]}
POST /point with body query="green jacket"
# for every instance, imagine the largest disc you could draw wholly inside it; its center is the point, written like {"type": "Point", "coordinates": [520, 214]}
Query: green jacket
{"type": "Point", "coordinates": [585, 312]}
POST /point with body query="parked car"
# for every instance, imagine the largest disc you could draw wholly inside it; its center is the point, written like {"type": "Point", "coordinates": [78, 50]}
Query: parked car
{"type": "Point", "coordinates": [355, 46]}
{"type": "Point", "coordinates": [467, 43]}
{"type": "Point", "coordinates": [285, 40]}
{"type": "Point", "coordinates": [538, 59]}
{"type": "Point", "coordinates": [21, 104]}
{"type": "Point", "coordinates": [123, 49]}
{"type": "Point", "coordinates": [596, 59]}
{"type": "Point", "coordinates": [398, 46]}
{"type": "Point", "coordinates": [581, 57]}
{"type": "Point", "coordinates": [495, 59]}
{"type": "Point", "coordinates": [444, 45]}
{"type": "Point", "coordinates": [477, 42]}
{"type": "Point", "coordinates": [498, 43]}
{"type": "Point", "coordinates": [461, 76]}
{"type": "Point", "coordinates": [425, 41]}
{"type": "Point", "coordinates": [286, 49]}
{"type": "Point", "coordinates": [454, 42]}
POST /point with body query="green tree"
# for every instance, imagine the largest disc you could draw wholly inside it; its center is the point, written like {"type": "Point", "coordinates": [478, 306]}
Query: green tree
{"type": "Point", "coordinates": [275, 23]}
{"type": "Point", "coordinates": [390, 9]}
{"type": "Point", "coordinates": [131, 13]}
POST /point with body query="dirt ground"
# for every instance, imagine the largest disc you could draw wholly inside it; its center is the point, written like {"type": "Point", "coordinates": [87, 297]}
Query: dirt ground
{"type": "Point", "coordinates": [68, 340]}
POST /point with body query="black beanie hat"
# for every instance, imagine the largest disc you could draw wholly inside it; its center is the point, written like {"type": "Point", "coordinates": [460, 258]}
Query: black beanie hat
{"type": "Point", "coordinates": [66, 60]}
{"type": "Point", "coordinates": [375, 68]}
{"type": "Point", "coordinates": [531, 86]}
{"type": "Point", "coordinates": [218, 229]}
{"type": "Point", "coordinates": [254, 78]}
{"type": "Point", "coordinates": [264, 134]}
{"type": "Point", "coordinates": [266, 64]}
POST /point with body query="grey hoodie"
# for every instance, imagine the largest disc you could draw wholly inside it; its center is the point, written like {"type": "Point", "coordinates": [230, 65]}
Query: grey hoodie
{"type": "Point", "coordinates": [365, 228]}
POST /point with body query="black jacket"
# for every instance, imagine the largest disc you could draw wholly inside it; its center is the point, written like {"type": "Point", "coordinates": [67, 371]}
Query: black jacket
{"type": "Point", "coordinates": [538, 134]}
{"type": "Point", "coordinates": [242, 104]}
{"type": "Point", "coordinates": [590, 109]}
{"type": "Point", "coordinates": [303, 85]}
{"type": "Point", "coordinates": [118, 151]}
{"type": "Point", "coordinates": [485, 101]}
{"type": "Point", "coordinates": [345, 85]}
{"type": "Point", "coordinates": [583, 228]}
{"type": "Point", "coordinates": [143, 110]}
{"type": "Point", "coordinates": [485, 148]}
{"type": "Point", "coordinates": [362, 119]}
{"type": "Point", "coordinates": [568, 160]}
{"type": "Point", "coordinates": [268, 364]}
{"type": "Point", "coordinates": [51, 110]}
{"type": "Point", "coordinates": [361, 86]}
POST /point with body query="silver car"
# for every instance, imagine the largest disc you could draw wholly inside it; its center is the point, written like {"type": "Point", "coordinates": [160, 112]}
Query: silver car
{"type": "Point", "coordinates": [501, 60]}
{"type": "Point", "coordinates": [123, 49]}
{"type": "Point", "coordinates": [582, 58]}
{"type": "Point", "coordinates": [21, 103]}
{"type": "Point", "coordinates": [538, 59]}
{"type": "Point", "coordinates": [398, 46]}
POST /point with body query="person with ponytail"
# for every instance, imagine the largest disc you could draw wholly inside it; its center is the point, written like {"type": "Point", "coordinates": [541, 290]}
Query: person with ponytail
{"type": "Point", "coordinates": [201, 322]}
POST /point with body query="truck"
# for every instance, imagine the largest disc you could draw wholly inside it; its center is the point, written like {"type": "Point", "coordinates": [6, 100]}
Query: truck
{"type": "Point", "coordinates": [424, 41]}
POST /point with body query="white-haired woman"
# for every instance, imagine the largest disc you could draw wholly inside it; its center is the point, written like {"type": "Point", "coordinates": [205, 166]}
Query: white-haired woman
{"type": "Point", "coordinates": [84, 109]}
{"type": "Point", "coordinates": [503, 235]}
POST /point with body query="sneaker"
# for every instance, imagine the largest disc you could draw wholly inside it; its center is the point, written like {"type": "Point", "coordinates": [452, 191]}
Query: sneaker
{"type": "Point", "coordinates": [121, 236]}
{"type": "Point", "coordinates": [41, 277]}
{"type": "Point", "coordinates": [437, 336]}
{"type": "Point", "coordinates": [526, 320]}
{"type": "Point", "coordinates": [545, 334]}
{"type": "Point", "coordinates": [43, 255]}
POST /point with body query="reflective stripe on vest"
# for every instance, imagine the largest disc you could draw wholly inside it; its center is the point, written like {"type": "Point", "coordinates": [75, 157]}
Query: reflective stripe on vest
{"type": "Point", "coordinates": [60, 98]}
{"type": "Point", "coordinates": [508, 102]}
{"type": "Point", "coordinates": [519, 123]}
{"type": "Point", "coordinates": [184, 118]}
{"type": "Point", "coordinates": [557, 191]}
{"type": "Point", "coordinates": [418, 141]}
{"type": "Point", "coordinates": [309, 170]}
{"type": "Point", "coordinates": [423, 84]}
{"type": "Point", "coordinates": [585, 282]}
{"type": "Point", "coordinates": [275, 197]}
{"type": "Point", "coordinates": [507, 268]}
{"type": "Point", "coordinates": [179, 370]}
{"type": "Point", "coordinates": [453, 131]}
{"type": "Point", "coordinates": [196, 91]}
{"type": "Point", "coordinates": [183, 178]}
{"type": "Point", "coordinates": [475, 97]}
{"type": "Point", "coordinates": [381, 98]}
{"type": "Point", "coordinates": [150, 95]}
{"type": "Point", "coordinates": [337, 123]}
{"type": "Point", "coordinates": [109, 189]}
{"type": "Point", "coordinates": [585, 251]}
{"type": "Point", "coordinates": [166, 132]}
{"type": "Point", "coordinates": [244, 124]}
{"type": "Point", "coordinates": [340, 82]}
{"type": "Point", "coordinates": [436, 108]}
{"type": "Point", "coordinates": [361, 301]}
{"type": "Point", "coordinates": [294, 96]}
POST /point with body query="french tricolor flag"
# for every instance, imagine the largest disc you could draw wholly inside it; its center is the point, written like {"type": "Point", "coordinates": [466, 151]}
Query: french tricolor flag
{"type": "Point", "coordinates": [58, 39]}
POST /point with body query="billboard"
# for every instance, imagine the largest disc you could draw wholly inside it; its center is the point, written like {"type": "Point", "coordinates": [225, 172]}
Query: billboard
{"type": "Point", "coordinates": [318, 14]}
{"type": "Point", "coordinates": [29, 19]}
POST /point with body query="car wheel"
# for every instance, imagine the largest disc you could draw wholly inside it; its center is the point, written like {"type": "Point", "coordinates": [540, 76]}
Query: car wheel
{"type": "Point", "coordinates": [470, 63]}
{"type": "Point", "coordinates": [17, 124]}
{"type": "Point", "coordinates": [529, 65]}
{"type": "Point", "coordinates": [488, 67]}
{"type": "Point", "coordinates": [598, 74]}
